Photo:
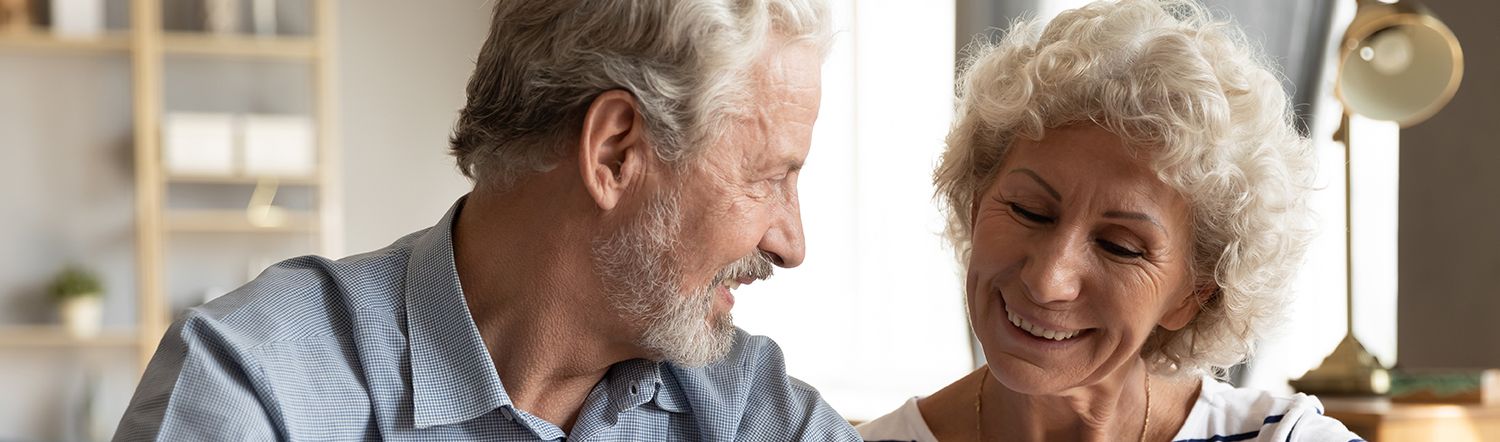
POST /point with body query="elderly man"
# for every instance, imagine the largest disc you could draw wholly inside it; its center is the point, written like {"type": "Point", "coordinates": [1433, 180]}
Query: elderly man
{"type": "Point", "coordinates": [634, 163]}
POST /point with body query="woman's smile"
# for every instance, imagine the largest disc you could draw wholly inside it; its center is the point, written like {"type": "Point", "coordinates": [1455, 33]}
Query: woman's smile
{"type": "Point", "coordinates": [1030, 334]}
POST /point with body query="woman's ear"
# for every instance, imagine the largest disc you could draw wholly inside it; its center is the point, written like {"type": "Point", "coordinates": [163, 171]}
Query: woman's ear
{"type": "Point", "coordinates": [1187, 309]}
{"type": "Point", "coordinates": [612, 148]}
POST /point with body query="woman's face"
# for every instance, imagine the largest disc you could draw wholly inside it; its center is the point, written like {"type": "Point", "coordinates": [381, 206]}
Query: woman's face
{"type": "Point", "coordinates": [1080, 251]}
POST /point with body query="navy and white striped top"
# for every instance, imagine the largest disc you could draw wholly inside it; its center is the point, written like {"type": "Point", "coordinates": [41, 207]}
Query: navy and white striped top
{"type": "Point", "coordinates": [1221, 414]}
{"type": "Point", "coordinates": [380, 346]}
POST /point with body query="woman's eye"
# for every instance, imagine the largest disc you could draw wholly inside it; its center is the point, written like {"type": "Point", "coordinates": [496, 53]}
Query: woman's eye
{"type": "Point", "coordinates": [1119, 250]}
{"type": "Point", "coordinates": [1029, 215]}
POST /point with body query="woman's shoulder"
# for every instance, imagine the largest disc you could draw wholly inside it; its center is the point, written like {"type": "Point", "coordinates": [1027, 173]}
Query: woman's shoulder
{"type": "Point", "coordinates": [904, 424]}
{"type": "Point", "coordinates": [1223, 412]}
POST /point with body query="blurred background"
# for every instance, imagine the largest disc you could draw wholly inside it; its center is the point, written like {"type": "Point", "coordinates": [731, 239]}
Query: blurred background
{"type": "Point", "coordinates": [155, 154]}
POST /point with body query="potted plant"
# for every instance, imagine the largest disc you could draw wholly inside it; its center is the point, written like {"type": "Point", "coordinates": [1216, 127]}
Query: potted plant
{"type": "Point", "coordinates": [79, 297]}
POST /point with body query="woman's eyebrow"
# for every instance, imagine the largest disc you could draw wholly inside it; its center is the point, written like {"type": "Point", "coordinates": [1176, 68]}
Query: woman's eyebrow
{"type": "Point", "coordinates": [1039, 180]}
{"type": "Point", "coordinates": [1110, 214]}
{"type": "Point", "coordinates": [1136, 216]}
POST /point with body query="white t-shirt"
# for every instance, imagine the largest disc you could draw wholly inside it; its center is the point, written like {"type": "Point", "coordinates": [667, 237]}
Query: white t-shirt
{"type": "Point", "coordinates": [1222, 413]}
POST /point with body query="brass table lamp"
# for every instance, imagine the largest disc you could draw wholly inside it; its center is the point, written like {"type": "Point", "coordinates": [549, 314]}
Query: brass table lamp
{"type": "Point", "coordinates": [1397, 62]}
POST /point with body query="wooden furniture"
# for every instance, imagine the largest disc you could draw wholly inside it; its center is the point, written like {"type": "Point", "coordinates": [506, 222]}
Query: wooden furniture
{"type": "Point", "coordinates": [1380, 420]}
{"type": "Point", "coordinates": [150, 48]}
{"type": "Point", "coordinates": [15, 15]}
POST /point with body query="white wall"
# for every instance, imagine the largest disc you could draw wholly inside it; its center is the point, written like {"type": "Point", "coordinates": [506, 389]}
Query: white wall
{"type": "Point", "coordinates": [403, 69]}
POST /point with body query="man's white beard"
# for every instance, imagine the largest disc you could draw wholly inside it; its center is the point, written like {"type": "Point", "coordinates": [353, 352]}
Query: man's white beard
{"type": "Point", "coordinates": [642, 274]}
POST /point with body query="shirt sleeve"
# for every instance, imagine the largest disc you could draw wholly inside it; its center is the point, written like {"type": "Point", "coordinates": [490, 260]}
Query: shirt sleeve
{"type": "Point", "coordinates": [787, 407]}
{"type": "Point", "coordinates": [904, 424]}
{"type": "Point", "coordinates": [199, 387]}
{"type": "Point", "coordinates": [1305, 422]}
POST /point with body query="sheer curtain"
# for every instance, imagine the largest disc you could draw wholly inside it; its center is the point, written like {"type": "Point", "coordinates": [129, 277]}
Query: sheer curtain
{"type": "Point", "coordinates": [1316, 321]}
{"type": "Point", "coordinates": [875, 314]}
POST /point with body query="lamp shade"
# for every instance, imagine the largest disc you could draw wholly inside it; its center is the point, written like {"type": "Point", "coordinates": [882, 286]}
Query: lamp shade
{"type": "Point", "coordinates": [1398, 63]}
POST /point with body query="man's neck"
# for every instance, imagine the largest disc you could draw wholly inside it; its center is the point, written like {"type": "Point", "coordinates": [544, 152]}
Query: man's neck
{"type": "Point", "coordinates": [527, 277]}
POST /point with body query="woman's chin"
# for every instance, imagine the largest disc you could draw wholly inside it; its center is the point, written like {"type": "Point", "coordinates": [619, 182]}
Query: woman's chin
{"type": "Point", "coordinates": [1027, 378]}
{"type": "Point", "coordinates": [1031, 365]}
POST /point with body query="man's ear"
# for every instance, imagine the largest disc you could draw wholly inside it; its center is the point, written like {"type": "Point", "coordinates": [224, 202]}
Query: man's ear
{"type": "Point", "coordinates": [612, 147]}
{"type": "Point", "coordinates": [1179, 316]}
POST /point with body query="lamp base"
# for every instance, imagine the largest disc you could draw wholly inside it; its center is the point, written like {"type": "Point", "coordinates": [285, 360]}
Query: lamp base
{"type": "Point", "coordinates": [1349, 371]}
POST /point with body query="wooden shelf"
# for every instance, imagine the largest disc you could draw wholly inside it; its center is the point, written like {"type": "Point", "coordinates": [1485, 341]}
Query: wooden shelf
{"type": "Point", "coordinates": [212, 45]}
{"type": "Point", "coordinates": [40, 40]}
{"type": "Point", "coordinates": [174, 43]}
{"type": "Point", "coordinates": [241, 179]}
{"type": "Point", "coordinates": [55, 336]}
{"type": "Point", "coordinates": [236, 221]}
{"type": "Point", "coordinates": [1380, 420]}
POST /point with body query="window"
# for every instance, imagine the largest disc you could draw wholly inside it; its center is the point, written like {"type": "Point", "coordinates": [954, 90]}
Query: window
{"type": "Point", "coordinates": [875, 314]}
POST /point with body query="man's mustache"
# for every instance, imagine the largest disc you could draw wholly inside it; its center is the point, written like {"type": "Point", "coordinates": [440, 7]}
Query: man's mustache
{"type": "Point", "coordinates": [756, 266]}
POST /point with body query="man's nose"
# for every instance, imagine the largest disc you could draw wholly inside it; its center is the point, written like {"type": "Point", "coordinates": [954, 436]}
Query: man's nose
{"type": "Point", "coordinates": [783, 240]}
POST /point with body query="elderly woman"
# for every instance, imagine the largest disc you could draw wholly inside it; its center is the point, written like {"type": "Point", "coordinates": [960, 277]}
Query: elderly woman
{"type": "Point", "coordinates": [1128, 194]}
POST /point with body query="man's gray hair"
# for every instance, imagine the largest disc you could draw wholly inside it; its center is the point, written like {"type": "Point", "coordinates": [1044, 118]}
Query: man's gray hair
{"type": "Point", "coordinates": [686, 62]}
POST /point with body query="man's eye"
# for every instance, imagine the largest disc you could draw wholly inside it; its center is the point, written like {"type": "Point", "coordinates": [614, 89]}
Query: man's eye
{"type": "Point", "coordinates": [1119, 250]}
{"type": "Point", "coordinates": [1029, 215]}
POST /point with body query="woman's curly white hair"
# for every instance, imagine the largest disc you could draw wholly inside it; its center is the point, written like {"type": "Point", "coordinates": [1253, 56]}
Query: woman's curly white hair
{"type": "Point", "coordinates": [1189, 92]}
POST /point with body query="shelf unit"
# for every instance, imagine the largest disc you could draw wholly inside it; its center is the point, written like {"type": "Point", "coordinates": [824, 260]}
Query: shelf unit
{"type": "Point", "coordinates": [149, 48]}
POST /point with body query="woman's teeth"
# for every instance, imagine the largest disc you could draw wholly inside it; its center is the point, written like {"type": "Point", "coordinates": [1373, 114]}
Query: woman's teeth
{"type": "Point", "coordinates": [1040, 332]}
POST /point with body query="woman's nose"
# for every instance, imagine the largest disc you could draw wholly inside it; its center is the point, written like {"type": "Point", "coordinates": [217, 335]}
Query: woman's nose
{"type": "Point", "coordinates": [1052, 271]}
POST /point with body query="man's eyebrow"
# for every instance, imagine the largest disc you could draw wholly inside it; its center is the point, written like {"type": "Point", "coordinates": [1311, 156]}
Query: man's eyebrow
{"type": "Point", "coordinates": [1039, 180]}
{"type": "Point", "coordinates": [1135, 216]}
{"type": "Point", "coordinates": [793, 164]}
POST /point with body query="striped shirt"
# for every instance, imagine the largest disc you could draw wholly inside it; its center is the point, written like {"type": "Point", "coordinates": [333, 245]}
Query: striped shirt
{"type": "Point", "coordinates": [380, 346]}
{"type": "Point", "coordinates": [1221, 414]}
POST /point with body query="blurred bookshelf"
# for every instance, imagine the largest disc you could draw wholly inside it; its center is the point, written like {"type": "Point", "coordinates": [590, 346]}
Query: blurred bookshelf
{"type": "Point", "coordinates": [150, 49]}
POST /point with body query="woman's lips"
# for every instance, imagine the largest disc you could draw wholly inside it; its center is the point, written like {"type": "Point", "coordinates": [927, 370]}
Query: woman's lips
{"type": "Point", "coordinates": [1035, 331]}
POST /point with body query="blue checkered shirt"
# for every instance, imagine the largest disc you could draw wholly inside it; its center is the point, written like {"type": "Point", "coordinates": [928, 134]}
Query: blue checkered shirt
{"type": "Point", "coordinates": [381, 346]}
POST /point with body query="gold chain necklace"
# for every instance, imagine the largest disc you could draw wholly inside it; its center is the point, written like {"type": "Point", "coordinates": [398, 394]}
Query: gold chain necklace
{"type": "Point", "coordinates": [979, 407]}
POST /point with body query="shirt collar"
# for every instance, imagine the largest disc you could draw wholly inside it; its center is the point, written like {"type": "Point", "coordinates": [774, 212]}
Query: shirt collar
{"type": "Point", "coordinates": [669, 394]}
{"type": "Point", "coordinates": [635, 382]}
{"type": "Point", "coordinates": [452, 377]}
